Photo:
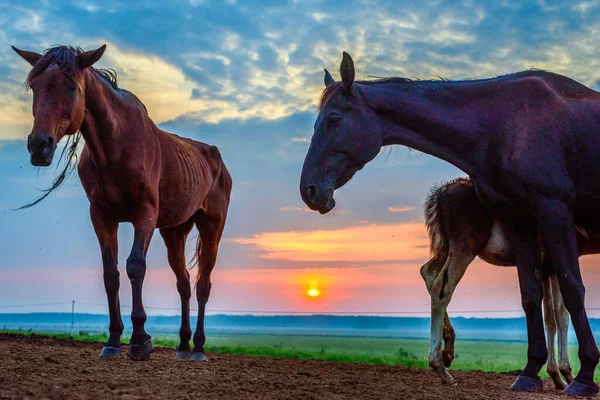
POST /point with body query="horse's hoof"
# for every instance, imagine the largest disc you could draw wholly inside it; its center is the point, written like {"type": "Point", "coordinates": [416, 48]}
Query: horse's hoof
{"type": "Point", "coordinates": [198, 356]}
{"type": "Point", "coordinates": [110, 353]}
{"type": "Point", "coordinates": [581, 389]}
{"type": "Point", "coordinates": [527, 384]}
{"type": "Point", "coordinates": [447, 358]}
{"type": "Point", "coordinates": [139, 352]}
{"type": "Point", "coordinates": [183, 355]}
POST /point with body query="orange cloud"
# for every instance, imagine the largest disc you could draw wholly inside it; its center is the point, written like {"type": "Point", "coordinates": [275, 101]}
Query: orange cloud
{"type": "Point", "coordinates": [400, 209]}
{"type": "Point", "coordinates": [373, 242]}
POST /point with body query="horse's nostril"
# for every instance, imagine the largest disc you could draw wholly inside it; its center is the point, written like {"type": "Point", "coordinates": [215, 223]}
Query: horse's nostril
{"type": "Point", "coordinates": [50, 142]}
{"type": "Point", "coordinates": [311, 192]}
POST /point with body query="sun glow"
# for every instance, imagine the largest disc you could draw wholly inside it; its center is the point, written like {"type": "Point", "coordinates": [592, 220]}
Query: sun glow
{"type": "Point", "coordinates": [313, 292]}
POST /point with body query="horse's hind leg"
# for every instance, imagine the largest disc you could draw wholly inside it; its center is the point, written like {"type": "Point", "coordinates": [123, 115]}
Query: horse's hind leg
{"type": "Point", "coordinates": [561, 316]}
{"type": "Point", "coordinates": [550, 322]}
{"type": "Point", "coordinates": [175, 239]}
{"type": "Point", "coordinates": [210, 224]}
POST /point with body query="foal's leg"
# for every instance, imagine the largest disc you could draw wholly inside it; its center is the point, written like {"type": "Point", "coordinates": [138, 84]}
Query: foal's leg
{"type": "Point", "coordinates": [210, 225]}
{"type": "Point", "coordinates": [430, 271]}
{"type": "Point", "coordinates": [107, 237]}
{"type": "Point", "coordinates": [550, 322]}
{"type": "Point", "coordinates": [561, 316]}
{"type": "Point", "coordinates": [441, 293]}
{"type": "Point", "coordinates": [558, 231]}
{"type": "Point", "coordinates": [449, 338]}
{"type": "Point", "coordinates": [175, 241]}
{"type": "Point", "coordinates": [141, 343]}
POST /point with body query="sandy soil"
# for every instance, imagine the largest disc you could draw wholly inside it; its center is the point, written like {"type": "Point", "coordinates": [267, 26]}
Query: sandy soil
{"type": "Point", "coordinates": [38, 368]}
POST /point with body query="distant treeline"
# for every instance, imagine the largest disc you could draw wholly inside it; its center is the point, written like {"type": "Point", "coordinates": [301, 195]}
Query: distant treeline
{"type": "Point", "coordinates": [328, 322]}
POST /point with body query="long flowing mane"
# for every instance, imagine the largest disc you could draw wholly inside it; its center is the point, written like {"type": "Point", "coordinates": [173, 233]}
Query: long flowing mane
{"type": "Point", "coordinates": [65, 58]}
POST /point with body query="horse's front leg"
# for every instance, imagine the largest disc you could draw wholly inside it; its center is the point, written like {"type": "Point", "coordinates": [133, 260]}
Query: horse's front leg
{"type": "Point", "coordinates": [141, 343]}
{"type": "Point", "coordinates": [107, 237]}
{"type": "Point", "coordinates": [558, 231]}
{"type": "Point", "coordinates": [524, 240]}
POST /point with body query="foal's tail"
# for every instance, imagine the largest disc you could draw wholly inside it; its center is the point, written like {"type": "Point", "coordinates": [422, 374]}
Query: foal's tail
{"type": "Point", "coordinates": [438, 240]}
{"type": "Point", "coordinates": [437, 201]}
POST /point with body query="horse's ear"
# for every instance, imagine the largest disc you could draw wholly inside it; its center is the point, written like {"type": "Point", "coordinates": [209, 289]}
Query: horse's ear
{"type": "Point", "coordinates": [347, 71]}
{"type": "Point", "coordinates": [31, 57]}
{"type": "Point", "coordinates": [328, 79]}
{"type": "Point", "coordinates": [89, 58]}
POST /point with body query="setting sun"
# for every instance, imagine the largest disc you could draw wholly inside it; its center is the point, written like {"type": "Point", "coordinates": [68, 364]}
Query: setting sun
{"type": "Point", "coordinates": [313, 292]}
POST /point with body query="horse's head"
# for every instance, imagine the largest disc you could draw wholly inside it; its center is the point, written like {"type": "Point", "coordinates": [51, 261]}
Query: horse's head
{"type": "Point", "coordinates": [344, 140]}
{"type": "Point", "coordinates": [58, 86]}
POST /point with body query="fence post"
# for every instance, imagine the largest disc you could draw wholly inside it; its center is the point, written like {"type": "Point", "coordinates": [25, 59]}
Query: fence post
{"type": "Point", "coordinates": [72, 317]}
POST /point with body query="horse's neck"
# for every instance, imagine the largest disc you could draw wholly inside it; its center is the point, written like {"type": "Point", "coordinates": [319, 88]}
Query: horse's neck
{"type": "Point", "coordinates": [105, 113]}
{"type": "Point", "coordinates": [437, 120]}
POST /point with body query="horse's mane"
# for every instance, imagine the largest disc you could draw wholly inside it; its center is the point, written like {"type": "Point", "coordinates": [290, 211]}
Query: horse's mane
{"type": "Point", "coordinates": [332, 89]}
{"type": "Point", "coordinates": [65, 58]}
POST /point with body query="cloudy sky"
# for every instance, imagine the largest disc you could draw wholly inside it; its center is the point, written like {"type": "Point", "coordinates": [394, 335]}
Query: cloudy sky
{"type": "Point", "coordinates": [246, 76]}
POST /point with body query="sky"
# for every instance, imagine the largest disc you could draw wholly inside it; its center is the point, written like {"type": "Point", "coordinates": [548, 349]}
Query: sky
{"type": "Point", "coordinates": [246, 76]}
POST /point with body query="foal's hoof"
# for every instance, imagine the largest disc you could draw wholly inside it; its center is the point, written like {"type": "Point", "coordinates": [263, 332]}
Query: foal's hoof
{"type": "Point", "coordinates": [447, 358]}
{"type": "Point", "coordinates": [559, 384]}
{"type": "Point", "coordinates": [139, 352]}
{"type": "Point", "coordinates": [527, 384]}
{"type": "Point", "coordinates": [183, 355]}
{"type": "Point", "coordinates": [198, 356]}
{"type": "Point", "coordinates": [581, 389]}
{"type": "Point", "coordinates": [566, 373]}
{"type": "Point", "coordinates": [110, 353]}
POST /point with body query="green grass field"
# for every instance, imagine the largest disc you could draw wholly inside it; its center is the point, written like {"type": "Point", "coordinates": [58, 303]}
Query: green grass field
{"type": "Point", "coordinates": [486, 356]}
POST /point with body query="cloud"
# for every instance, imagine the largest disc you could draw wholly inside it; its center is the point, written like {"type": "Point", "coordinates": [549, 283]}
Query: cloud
{"type": "Point", "coordinates": [302, 209]}
{"type": "Point", "coordinates": [301, 139]}
{"type": "Point", "coordinates": [400, 209]}
{"type": "Point", "coordinates": [238, 66]}
{"type": "Point", "coordinates": [359, 243]}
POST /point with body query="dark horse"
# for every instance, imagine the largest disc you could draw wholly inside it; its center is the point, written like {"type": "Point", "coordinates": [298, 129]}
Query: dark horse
{"type": "Point", "coordinates": [531, 143]}
{"type": "Point", "coordinates": [131, 172]}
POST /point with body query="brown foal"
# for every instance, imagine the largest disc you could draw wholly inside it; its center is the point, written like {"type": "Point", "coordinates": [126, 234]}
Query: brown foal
{"type": "Point", "coordinates": [461, 229]}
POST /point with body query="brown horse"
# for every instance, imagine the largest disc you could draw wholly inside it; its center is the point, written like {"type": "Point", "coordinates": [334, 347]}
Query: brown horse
{"type": "Point", "coordinates": [460, 229]}
{"type": "Point", "coordinates": [528, 140]}
{"type": "Point", "coordinates": [131, 172]}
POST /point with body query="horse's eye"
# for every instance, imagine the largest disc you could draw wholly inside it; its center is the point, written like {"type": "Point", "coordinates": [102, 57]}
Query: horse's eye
{"type": "Point", "coordinates": [333, 121]}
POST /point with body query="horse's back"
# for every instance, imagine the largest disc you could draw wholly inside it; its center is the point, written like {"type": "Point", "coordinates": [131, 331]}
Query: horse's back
{"type": "Point", "coordinates": [189, 171]}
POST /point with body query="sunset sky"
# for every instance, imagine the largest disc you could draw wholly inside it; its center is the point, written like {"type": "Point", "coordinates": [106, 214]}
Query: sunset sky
{"type": "Point", "coordinates": [246, 76]}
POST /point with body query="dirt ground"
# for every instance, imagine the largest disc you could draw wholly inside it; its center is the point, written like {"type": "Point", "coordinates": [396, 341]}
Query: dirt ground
{"type": "Point", "coordinates": [39, 368]}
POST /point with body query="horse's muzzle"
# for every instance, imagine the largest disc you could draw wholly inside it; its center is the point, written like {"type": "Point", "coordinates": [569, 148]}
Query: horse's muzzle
{"type": "Point", "coordinates": [41, 147]}
{"type": "Point", "coordinates": [318, 199]}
